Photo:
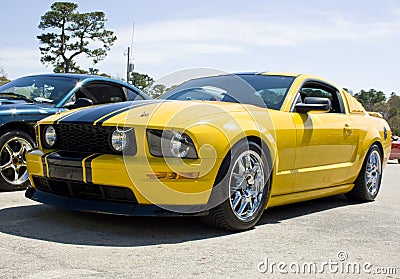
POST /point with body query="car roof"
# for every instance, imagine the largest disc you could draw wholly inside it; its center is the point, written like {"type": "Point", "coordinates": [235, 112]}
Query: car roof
{"type": "Point", "coordinates": [70, 75]}
{"type": "Point", "coordinates": [87, 78]}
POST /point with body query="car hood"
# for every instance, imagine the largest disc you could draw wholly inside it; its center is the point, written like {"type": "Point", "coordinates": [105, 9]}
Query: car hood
{"type": "Point", "coordinates": [20, 107]}
{"type": "Point", "coordinates": [157, 113]}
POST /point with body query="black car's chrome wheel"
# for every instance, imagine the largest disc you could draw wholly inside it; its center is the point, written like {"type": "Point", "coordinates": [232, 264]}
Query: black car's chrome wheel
{"type": "Point", "coordinates": [13, 171]}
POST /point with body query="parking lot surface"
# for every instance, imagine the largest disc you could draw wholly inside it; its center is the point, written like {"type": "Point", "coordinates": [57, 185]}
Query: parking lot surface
{"type": "Point", "coordinates": [325, 238]}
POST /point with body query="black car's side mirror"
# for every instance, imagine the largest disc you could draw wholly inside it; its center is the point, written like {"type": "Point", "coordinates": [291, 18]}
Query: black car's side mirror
{"type": "Point", "coordinates": [81, 102]}
{"type": "Point", "coordinates": [314, 104]}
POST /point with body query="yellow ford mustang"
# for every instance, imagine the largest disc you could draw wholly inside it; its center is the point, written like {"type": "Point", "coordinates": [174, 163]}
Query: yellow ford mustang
{"type": "Point", "coordinates": [221, 147]}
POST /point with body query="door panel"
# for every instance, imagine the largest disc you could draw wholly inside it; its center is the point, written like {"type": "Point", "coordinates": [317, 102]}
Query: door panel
{"type": "Point", "coordinates": [325, 148]}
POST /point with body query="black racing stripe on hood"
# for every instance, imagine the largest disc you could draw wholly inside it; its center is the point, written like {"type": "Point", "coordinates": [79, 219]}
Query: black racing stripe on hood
{"type": "Point", "coordinates": [99, 123]}
{"type": "Point", "coordinates": [91, 114]}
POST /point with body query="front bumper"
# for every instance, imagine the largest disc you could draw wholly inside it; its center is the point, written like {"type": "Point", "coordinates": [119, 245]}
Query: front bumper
{"type": "Point", "coordinates": [129, 209]}
{"type": "Point", "coordinates": [130, 172]}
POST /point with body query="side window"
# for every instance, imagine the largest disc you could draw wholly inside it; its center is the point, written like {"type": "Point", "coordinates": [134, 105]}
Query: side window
{"type": "Point", "coordinates": [132, 95]}
{"type": "Point", "coordinates": [317, 89]}
{"type": "Point", "coordinates": [102, 93]}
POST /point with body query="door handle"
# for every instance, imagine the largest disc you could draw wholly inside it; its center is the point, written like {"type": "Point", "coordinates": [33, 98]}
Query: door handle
{"type": "Point", "coordinates": [347, 129]}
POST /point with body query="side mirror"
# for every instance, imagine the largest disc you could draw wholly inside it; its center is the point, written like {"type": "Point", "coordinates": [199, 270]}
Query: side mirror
{"type": "Point", "coordinates": [81, 102]}
{"type": "Point", "coordinates": [314, 104]}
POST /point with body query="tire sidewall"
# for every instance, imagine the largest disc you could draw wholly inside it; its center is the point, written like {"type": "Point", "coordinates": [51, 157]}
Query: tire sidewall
{"type": "Point", "coordinates": [4, 185]}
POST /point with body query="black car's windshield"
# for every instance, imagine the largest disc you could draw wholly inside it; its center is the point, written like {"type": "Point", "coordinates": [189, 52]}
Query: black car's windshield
{"type": "Point", "coordinates": [260, 90]}
{"type": "Point", "coordinates": [38, 88]}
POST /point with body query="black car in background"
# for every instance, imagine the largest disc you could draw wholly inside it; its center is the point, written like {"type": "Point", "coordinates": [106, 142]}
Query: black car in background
{"type": "Point", "coordinates": [28, 99]}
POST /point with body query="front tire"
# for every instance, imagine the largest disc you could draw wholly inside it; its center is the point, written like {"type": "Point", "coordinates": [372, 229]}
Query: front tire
{"type": "Point", "coordinates": [245, 188]}
{"type": "Point", "coordinates": [367, 185]}
{"type": "Point", "coordinates": [13, 173]}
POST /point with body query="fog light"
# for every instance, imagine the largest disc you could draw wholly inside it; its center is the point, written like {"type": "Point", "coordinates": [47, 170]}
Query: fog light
{"type": "Point", "coordinates": [118, 140]}
{"type": "Point", "coordinates": [50, 136]}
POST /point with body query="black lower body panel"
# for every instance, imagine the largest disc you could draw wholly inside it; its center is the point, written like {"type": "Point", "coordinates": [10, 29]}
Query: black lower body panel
{"type": "Point", "coordinates": [102, 206]}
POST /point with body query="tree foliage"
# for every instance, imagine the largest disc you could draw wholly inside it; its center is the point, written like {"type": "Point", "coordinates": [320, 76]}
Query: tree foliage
{"type": "Point", "coordinates": [147, 84]}
{"type": "Point", "coordinates": [393, 113]}
{"type": "Point", "coordinates": [72, 34]}
{"type": "Point", "coordinates": [374, 100]}
{"type": "Point", "coordinates": [3, 76]}
{"type": "Point", "coordinates": [141, 81]}
{"type": "Point", "coordinates": [371, 98]}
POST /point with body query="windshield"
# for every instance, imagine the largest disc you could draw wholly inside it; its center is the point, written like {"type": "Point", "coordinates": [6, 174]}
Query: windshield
{"type": "Point", "coordinates": [259, 90]}
{"type": "Point", "coordinates": [39, 89]}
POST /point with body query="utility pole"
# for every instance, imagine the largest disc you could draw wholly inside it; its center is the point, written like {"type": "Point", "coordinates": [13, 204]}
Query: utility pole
{"type": "Point", "coordinates": [128, 66]}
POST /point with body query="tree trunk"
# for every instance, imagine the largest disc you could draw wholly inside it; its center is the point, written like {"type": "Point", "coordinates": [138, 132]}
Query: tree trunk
{"type": "Point", "coordinates": [67, 65]}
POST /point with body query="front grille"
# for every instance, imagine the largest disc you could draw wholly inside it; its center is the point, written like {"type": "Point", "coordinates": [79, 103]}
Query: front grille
{"type": "Point", "coordinates": [89, 139]}
{"type": "Point", "coordinates": [82, 190]}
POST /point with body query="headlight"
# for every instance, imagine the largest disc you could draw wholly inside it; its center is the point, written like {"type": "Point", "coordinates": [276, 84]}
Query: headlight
{"type": "Point", "coordinates": [118, 140]}
{"type": "Point", "coordinates": [170, 144]}
{"type": "Point", "coordinates": [49, 136]}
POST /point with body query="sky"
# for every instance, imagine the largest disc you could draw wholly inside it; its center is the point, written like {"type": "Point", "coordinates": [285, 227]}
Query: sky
{"type": "Point", "coordinates": [354, 43]}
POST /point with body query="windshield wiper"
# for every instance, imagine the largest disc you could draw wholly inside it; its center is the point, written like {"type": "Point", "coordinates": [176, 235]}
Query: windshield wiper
{"type": "Point", "coordinates": [15, 96]}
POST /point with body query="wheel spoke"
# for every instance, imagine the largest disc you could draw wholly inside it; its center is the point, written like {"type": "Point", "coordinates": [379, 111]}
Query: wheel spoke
{"type": "Point", "coordinates": [250, 205]}
{"type": "Point", "coordinates": [248, 161]}
{"type": "Point", "coordinates": [243, 205]}
{"type": "Point", "coordinates": [241, 167]}
{"type": "Point", "coordinates": [16, 174]}
{"type": "Point", "coordinates": [255, 169]}
{"type": "Point", "coordinates": [22, 150]}
{"type": "Point", "coordinates": [258, 183]}
{"type": "Point", "coordinates": [6, 165]}
{"type": "Point", "coordinates": [237, 176]}
{"type": "Point", "coordinates": [238, 182]}
{"type": "Point", "coordinates": [236, 200]}
{"type": "Point", "coordinates": [9, 150]}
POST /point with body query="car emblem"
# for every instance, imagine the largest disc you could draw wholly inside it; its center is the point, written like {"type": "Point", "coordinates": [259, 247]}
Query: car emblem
{"type": "Point", "coordinates": [144, 114]}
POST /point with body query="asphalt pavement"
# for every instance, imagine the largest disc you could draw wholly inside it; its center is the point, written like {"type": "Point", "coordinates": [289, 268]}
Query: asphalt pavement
{"type": "Point", "coordinates": [325, 238]}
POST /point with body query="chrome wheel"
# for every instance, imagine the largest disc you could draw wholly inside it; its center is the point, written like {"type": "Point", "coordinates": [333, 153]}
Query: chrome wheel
{"type": "Point", "coordinates": [373, 172]}
{"type": "Point", "coordinates": [246, 185]}
{"type": "Point", "coordinates": [13, 162]}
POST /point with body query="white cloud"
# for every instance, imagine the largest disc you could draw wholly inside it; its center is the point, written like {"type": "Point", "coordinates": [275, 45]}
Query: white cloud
{"type": "Point", "coordinates": [160, 42]}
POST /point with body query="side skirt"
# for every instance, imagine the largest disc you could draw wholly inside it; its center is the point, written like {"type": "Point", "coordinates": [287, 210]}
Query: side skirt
{"type": "Point", "coordinates": [309, 195]}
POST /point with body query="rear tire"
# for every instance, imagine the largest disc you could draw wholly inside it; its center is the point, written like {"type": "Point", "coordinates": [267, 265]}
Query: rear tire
{"type": "Point", "coordinates": [13, 173]}
{"type": "Point", "coordinates": [244, 181]}
{"type": "Point", "coordinates": [367, 185]}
